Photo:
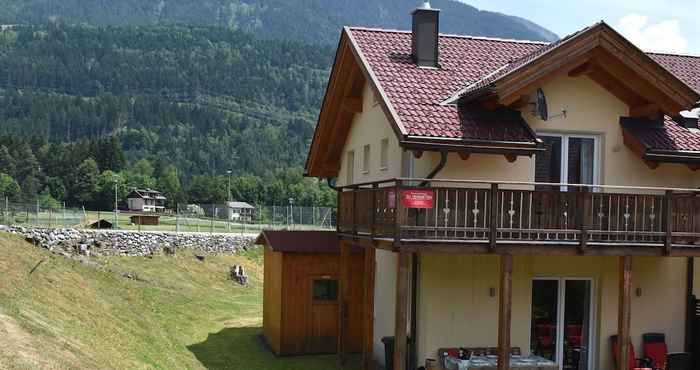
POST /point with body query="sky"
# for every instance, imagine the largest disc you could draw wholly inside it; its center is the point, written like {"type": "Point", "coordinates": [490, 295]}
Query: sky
{"type": "Point", "coordinates": [653, 25]}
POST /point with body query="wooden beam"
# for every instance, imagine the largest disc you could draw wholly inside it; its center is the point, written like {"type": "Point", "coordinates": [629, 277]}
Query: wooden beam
{"type": "Point", "coordinates": [352, 104]}
{"type": "Point", "coordinates": [401, 311]}
{"type": "Point", "coordinates": [343, 293]}
{"type": "Point", "coordinates": [624, 312]}
{"type": "Point", "coordinates": [521, 103]}
{"type": "Point", "coordinates": [504, 312]}
{"type": "Point", "coordinates": [651, 111]}
{"type": "Point", "coordinates": [584, 69]}
{"type": "Point", "coordinates": [491, 103]}
{"type": "Point", "coordinates": [368, 314]}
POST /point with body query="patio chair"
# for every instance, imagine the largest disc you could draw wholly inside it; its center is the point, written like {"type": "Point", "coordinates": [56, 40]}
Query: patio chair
{"type": "Point", "coordinates": [655, 349]}
{"type": "Point", "coordinates": [634, 363]}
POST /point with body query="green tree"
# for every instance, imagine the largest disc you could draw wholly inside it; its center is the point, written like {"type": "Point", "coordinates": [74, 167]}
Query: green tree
{"type": "Point", "coordinates": [7, 163]}
{"type": "Point", "coordinates": [169, 184]}
{"type": "Point", "coordinates": [207, 190]}
{"type": "Point", "coordinates": [141, 175]}
{"type": "Point", "coordinates": [87, 182]}
{"type": "Point", "coordinates": [8, 187]}
{"type": "Point", "coordinates": [48, 201]}
{"type": "Point", "coordinates": [104, 199]}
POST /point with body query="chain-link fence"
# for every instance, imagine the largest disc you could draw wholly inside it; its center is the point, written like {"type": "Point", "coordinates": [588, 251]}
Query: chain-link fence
{"type": "Point", "coordinates": [209, 218]}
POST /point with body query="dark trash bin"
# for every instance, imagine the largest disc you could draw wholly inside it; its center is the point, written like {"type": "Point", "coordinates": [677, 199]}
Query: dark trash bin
{"type": "Point", "coordinates": [388, 352]}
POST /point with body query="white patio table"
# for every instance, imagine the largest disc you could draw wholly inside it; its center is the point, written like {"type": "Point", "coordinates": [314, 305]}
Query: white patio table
{"type": "Point", "coordinates": [491, 363]}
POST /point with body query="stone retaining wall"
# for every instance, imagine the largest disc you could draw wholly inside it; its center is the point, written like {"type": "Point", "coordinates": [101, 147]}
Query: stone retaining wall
{"type": "Point", "coordinates": [71, 242]}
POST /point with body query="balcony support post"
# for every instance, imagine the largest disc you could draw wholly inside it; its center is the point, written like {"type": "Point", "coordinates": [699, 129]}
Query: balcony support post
{"type": "Point", "coordinates": [401, 311]}
{"type": "Point", "coordinates": [493, 215]}
{"type": "Point", "coordinates": [343, 291]}
{"type": "Point", "coordinates": [354, 211]}
{"type": "Point", "coordinates": [368, 312]}
{"type": "Point", "coordinates": [624, 312]}
{"type": "Point", "coordinates": [505, 311]}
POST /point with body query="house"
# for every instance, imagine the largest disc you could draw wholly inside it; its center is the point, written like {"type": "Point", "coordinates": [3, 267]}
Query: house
{"type": "Point", "coordinates": [240, 211]}
{"type": "Point", "coordinates": [300, 306]}
{"type": "Point", "coordinates": [146, 200]}
{"type": "Point", "coordinates": [514, 192]}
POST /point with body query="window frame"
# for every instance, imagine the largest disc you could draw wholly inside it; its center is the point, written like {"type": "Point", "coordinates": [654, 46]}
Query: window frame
{"type": "Point", "coordinates": [350, 167]}
{"type": "Point", "coordinates": [384, 154]}
{"type": "Point", "coordinates": [366, 159]}
{"type": "Point", "coordinates": [564, 165]}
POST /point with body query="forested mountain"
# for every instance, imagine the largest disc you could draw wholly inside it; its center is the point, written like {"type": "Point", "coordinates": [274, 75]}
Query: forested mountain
{"type": "Point", "coordinates": [174, 93]}
{"type": "Point", "coordinates": [315, 21]}
{"type": "Point", "coordinates": [200, 100]}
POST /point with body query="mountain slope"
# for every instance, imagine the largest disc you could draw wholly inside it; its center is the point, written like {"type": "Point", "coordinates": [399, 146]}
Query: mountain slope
{"type": "Point", "coordinates": [307, 20]}
{"type": "Point", "coordinates": [171, 312]}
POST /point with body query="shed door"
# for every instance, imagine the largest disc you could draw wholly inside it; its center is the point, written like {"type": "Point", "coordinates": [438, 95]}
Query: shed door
{"type": "Point", "coordinates": [323, 315]}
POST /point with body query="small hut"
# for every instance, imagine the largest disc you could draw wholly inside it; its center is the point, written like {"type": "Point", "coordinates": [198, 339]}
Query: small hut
{"type": "Point", "coordinates": [100, 224]}
{"type": "Point", "coordinates": [150, 220]}
{"type": "Point", "coordinates": [301, 305]}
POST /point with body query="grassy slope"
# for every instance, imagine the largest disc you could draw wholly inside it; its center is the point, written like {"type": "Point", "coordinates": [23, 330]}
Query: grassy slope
{"type": "Point", "coordinates": [179, 313]}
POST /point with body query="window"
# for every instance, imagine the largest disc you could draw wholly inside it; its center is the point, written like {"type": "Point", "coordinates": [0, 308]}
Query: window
{"type": "Point", "coordinates": [365, 159]}
{"type": "Point", "coordinates": [350, 168]}
{"type": "Point", "coordinates": [571, 159]}
{"type": "Point", "coordinates": [384, 155]}
{"type": "Point", "coordinates": [325, 290]}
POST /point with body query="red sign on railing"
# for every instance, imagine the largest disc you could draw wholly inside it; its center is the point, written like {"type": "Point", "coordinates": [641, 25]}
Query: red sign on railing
{"type": "Point", "coordinates": [417, 198]}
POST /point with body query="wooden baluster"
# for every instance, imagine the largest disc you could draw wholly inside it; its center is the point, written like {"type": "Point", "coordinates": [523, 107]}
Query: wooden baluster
{"type": "Point", "coordinates": [398, 214]}
{"type": "Point", "coordinates": [374, 210]}
{"type": "Point", "coordinates": [585, 210]}
{"type": "Point", "coordinates": [668, 215]}
{"type": "Point", "coordinates": [493, 227]}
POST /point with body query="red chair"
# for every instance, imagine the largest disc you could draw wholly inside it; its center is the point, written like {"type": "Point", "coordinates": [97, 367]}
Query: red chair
{"type": "Point", "coordinates": [574, 334]}
{"type": "Point", "coordinates": [634, 363]}
{"type": "Point", "coordinates": [656, 350]}
{"type": "Point", "coordinates": [544, 333]}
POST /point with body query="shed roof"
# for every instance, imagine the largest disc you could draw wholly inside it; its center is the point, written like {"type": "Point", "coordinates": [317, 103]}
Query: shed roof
{"type": "Point", "coordinates": [300, 241]}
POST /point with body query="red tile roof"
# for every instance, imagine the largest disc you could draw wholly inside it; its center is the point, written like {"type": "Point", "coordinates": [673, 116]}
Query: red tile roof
{"type": "Point", "coordinates": [416, 93]}
{"type": "Point", "coordinates": [300, 241]}
{"type": "Point", "coordinates": [668, 136]}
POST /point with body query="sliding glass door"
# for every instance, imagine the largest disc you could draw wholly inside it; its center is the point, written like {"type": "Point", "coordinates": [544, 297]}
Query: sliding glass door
{"type": "Point", "coordinates": [562, 321]}
{"type": "Point", "coordinates": [571, 159]}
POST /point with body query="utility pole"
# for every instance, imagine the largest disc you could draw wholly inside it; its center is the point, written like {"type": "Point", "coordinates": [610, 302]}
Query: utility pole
{"type": "Point", "coordinates": [116, 205]}
{"type": "Point", "coordinates": [291, 212]}
{"type": "Point", "coordinates": [229, 211]}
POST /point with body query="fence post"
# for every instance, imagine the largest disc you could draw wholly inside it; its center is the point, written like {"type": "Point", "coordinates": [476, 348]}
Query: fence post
{"type": "Point", "coordinates": [177, 218]}
{"type": "Point", "coordinates": [668, 215]}
{"type": "Point", "coordinates": [36, 218]}
{"type": "Point", "coordinates": [213, 214]}
{"type": "Point", "coordinates": [493, 227]}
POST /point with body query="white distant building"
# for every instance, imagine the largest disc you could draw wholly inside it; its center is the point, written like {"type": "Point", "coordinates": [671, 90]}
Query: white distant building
{"type": "Point", "coordinates": [146, 200]}
{"type": "Point", "coordinates": [240, 211]}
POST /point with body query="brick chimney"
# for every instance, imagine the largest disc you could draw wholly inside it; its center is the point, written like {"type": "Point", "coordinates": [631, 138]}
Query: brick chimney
{"type": "Point", "coordinates": [424, 36]}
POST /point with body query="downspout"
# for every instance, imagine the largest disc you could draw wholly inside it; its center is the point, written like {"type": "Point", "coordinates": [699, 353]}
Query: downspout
{"type": "Point", "coordinates": [437, 169]}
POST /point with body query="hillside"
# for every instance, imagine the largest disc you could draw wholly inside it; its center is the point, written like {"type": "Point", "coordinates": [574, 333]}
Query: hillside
{"type": "Point", "coordinates": [309, 20]}
{"type": "Point", "coordinates": [174, 313]}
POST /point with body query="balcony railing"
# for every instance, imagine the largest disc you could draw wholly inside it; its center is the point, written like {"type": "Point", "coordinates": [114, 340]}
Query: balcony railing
{"type": "Point", "coordinates": [475, 212]}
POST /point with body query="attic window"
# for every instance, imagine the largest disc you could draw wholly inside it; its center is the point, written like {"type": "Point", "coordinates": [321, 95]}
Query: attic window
{"type": "Point", "coordinates": [350, 168]}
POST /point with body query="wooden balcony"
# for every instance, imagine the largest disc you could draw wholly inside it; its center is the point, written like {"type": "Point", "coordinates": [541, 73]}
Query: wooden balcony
{"type": "Point", "coordinates": [518, 217]}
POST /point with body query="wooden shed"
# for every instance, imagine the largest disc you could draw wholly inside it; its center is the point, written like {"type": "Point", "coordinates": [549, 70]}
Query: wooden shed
{"type": "Point", "coordinates": [301, 289]}
{"type": "Point", "coordinates": [150, 220]}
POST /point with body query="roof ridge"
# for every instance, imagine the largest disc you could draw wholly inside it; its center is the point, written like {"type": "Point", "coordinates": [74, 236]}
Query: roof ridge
{"type": "Point", "coordinates": [451, 35]}
{"type": "Point", "coordinates": [685, 55]}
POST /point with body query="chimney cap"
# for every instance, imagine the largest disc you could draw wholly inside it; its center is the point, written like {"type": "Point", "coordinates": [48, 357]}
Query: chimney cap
{"type": "Point", "coordinates": [425, 6]}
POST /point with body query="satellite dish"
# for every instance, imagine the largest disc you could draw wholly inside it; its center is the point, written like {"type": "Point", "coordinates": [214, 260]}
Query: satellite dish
{"type": "Point", "coordinates": [541, 106]}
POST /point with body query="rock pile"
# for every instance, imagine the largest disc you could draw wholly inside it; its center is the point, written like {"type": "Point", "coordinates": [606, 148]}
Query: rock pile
{"type": "Point", "coordinates": [72, 242]}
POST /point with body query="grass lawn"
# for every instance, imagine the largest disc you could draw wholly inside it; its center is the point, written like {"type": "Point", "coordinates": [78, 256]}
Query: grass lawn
{"type": "Point", "coordinates": [174, 313]}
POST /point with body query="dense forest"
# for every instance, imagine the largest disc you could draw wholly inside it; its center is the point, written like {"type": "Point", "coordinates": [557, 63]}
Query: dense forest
{"type": "Point", "coordinates": [313, 21]}
{"type": "Point", "coordinates": [196, 101]}
{"type": "Point", "coordinates": [173, 94]}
